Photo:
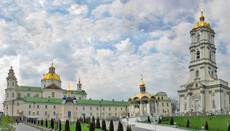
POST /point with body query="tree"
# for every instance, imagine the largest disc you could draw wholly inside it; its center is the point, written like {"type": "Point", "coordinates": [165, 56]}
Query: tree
{"type": "Point", "coordinates": [42, 122]}
{"type": "Point", "coordinates": [111, 128]}
{"type": "Point", "coordinates": [159, 121]}
{"type": "Point", "coordinates": [38, 122]}
{"type": "Point", "coordinates": [103, 128]}
{"type": "Point", "coordinates": [52, 124]}
{"type": "Point", "coordinates": [91, 127]}
{"type": "Point", "coordinates": [187, 125]}
{"type": "Point", "coordinates": [128, 128]}
{"type": "Point", "coordinates": [120, 127]}
{"type": "Point", "coordinates": [78, 126]}
{"type": "Point", "coordinates": [98, 123]}
{"type": "Point", "coordinates": [206, 125]}
{"type": "Point", "coordinates": [67, 125]}
{"type": "Point", "coordinates": [175, 105]}
{"type": "Point", "coordinates": [228, 127]}
{"type": "Point", "coordinates": [171, 122]}
{"type": "Point", "coordinates": [148, 119]}
{"type": "Point", "coordinates": [93, 121]}
{"type": "Point", "coordinates": [46, 123]}
{"type": "Point", "coordinates": [59, 125]}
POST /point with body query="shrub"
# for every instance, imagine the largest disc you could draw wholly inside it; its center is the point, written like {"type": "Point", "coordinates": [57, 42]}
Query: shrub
{"type": "Point", "coordinates": [159, 121]}
{"type": "Point", "coordinates": [98, 123]}
{"type": "Point", "coordinates": [128, 128]}
{"type": "Point", "coordinates": [41, 122]}
{"type": "Point", "coordinates": [59, 125]}
{"type": "Point", "coordinates": [187, 125]}
{"type": "Point", "coordinates": [120, 127]}
{"type": "Point", "coordinates": [67, 125]}
{"type": "Point", "coordinates": [103, 128]}
{"type": "Point", "coordinates": [78, 126]}
{"type": "Point", "coordinates": [93, 121]}
{"type": "Point", "coordinates": [91, 127]}
{"type": "Point", "coordinates": [148, 119]}
{"type": "Point", "coordinates": [111, 128]}
{"type": "Point", "coordinates": [206, 125]}
{"type": "Point", "coordinates": [46, 123]}
{"type": "Point", "coordinates": [171, 121]}
{"type": "Point", "coordinates": [52, 124]}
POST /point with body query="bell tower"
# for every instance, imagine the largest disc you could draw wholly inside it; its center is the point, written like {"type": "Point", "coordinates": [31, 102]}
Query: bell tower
{"type": "Point", "coordinates": [202, 49]}
{"type": "Point", "coordinates": [11, 79]}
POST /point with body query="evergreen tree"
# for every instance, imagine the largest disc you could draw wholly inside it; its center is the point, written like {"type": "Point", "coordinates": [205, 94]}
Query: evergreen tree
{"type": "Point", "coordinates": [120, 127]}
{"type": "Point", "coordinates": [206, 125]}
{"type": "Point", "coordinates": [111, 128]}
{"type": "Point", "coordinates": [93, 121]}
{"type": "Point", "coordinates": [52, 124]}
{"type": "Point", "coordinates": [128, 128]}
{"type": "Point", "coordinates": [67, 125]}
{"type": "Point", "coordinates": [98, 123]}
{"type": "Point", "coordinates": [59, 125]}
{"type": "Point", "coordinates": [91, 127]}
{"type": "Point", "coordinates": [78, 126]}
{"type": "Point", "coordinates": [103, 128]}
{"type": "Point", "coordinates": [171, 122]}
{"type": "Point", "coordinates": [42, 123]}
{"type": "Point", "coordinates": [148, 119]}
{"type": "Point", "coordinates": [228, 127]}
{"type": "Point", "coordinates": [187, 125]}
{"type": "Point", "coordinates": [46, 123]}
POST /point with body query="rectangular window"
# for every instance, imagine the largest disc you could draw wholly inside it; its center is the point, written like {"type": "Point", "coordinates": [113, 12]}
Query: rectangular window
{"type": "Point", "coordinates": [97, 108]}
{"type": "Point", "coordinates": [46, 106]}
{"type": "Point", "coordinates": [54, 107]}
{"type": "Point", "coordinates": [29, 106]}
{"type": "Point", "coordinates": [19, 95]}
{"type": "Point", "coordinates": [53, 95]}
{"type": "Point", "coordinates": [69, 113]}
{"type": "Point", "coordinates": [121, 108]}
{"type": "Point", "coordinates": [167, 104]}
{"type": "Point", "coordinates": [162, 104]}
{"type": "Point", "coordinates": [45, 112]}
{"type": "Point", "coordinates": [29, 112]}
{"type": "Point", "coordinates": [115, 114]}
{"type": "Point", "coordinates": [12, 83]}
{"type": "Point", "coordinates": [37, 112]}
{"type": "Point", "coordinates": [54, 113]}
{"type": "Point", "coordinates": [28, 95]}
{"type": "Point", "coordinates": [17, 111]}
{"type": "Point", "coordinates": [12, 94]}
{"type": "Point", "coordinates": [38, 106]}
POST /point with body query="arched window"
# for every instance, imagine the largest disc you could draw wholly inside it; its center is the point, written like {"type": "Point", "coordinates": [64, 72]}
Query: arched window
{"type": "Point", "coordinates": [197, 74]}
{"type": "Point", "coordinates": [198, 55]}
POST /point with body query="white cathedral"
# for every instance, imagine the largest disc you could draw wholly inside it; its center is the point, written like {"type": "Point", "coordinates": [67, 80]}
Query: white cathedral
{"type": "Point", "coordinates": [204, 92]}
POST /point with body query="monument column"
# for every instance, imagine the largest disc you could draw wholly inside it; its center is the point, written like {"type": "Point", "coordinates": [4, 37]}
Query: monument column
{"type": "Point", "coordinates": [148, 109]}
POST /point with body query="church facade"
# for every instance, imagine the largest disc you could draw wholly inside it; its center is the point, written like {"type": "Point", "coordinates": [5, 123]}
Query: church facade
{"type": "Point", "coordinates": [204, 92]}
{"type": "Point", "coordinates": [51, 101]}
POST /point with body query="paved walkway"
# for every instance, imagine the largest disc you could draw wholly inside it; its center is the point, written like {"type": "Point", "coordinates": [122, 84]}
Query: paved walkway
{"type": "Point", "coordinates": [24, 127]}
{"type": "Point", "coordinates": [136, 126]}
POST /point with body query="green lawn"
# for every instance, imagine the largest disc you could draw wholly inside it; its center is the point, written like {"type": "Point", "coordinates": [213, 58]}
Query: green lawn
{"type": "Point", "coordinates": [72, 126]}
{"type": "Point", "coordinates": [215, 123]}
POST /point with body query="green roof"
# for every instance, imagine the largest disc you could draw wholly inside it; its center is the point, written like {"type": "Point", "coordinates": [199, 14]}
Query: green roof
{"type": "Point", "coordinates": [42, 100]}
{"type": "Point", "coordinates": [76, 92]}
{"type": "Point", "coordinates": [28, 88]}
{"type": "Point", "coordinates": [81, 102]}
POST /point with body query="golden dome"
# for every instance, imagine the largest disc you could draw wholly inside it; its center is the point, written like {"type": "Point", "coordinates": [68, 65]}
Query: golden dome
{"type": "Point", "coordinates": [51, 76]}
{"type": "Point", "coordinates": [142, 85]}
{"type": "Point", "coordinates": [68, 90]}
{"type": "Point", "coordinates": [142, 94]}
{"type": "Point", "coordinates": [52, 66]}
{"type": "Point", "coordinates": [202, 23]}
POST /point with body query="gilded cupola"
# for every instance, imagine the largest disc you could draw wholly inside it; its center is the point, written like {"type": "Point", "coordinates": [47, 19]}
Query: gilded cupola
{"type": "Point", "coordinates": [51, 74]}
{"type": "Point", "coordinates": [202, 23]}
{"type": "Point", "coordinates": [142, 85]}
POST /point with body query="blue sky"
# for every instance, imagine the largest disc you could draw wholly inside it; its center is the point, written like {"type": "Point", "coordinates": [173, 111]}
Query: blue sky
{"type": "Point", "coordinates": [108, 44]}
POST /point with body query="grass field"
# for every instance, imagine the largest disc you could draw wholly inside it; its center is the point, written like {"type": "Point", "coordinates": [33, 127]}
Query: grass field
{"type": "Point", "coordinates": [215, 123]}
{"type": "Point", "coordinates": [72, 127]}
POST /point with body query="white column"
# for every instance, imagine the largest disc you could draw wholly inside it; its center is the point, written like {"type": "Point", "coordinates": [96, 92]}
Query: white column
{"type": "Point", "coordinates": [148, 109]}
{"type": "Point", "coordinates": [210, 100]}
{"type": "Point", "coordinates": [134, 112]}
{"type": "Point", "coordinates": [189, 102]}
{"type": "Point", "coordinates": [202, 100]}
{"type": "Point", "coordinates": [141, 109]}
{"type": "Point", "coordinates": [156, 108]}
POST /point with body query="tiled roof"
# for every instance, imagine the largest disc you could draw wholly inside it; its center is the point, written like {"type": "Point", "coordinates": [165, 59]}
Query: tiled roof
{"type": "Point", "coordinates": [28, 88]}
{"type": "Point", "coordinates": [81, 102]}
